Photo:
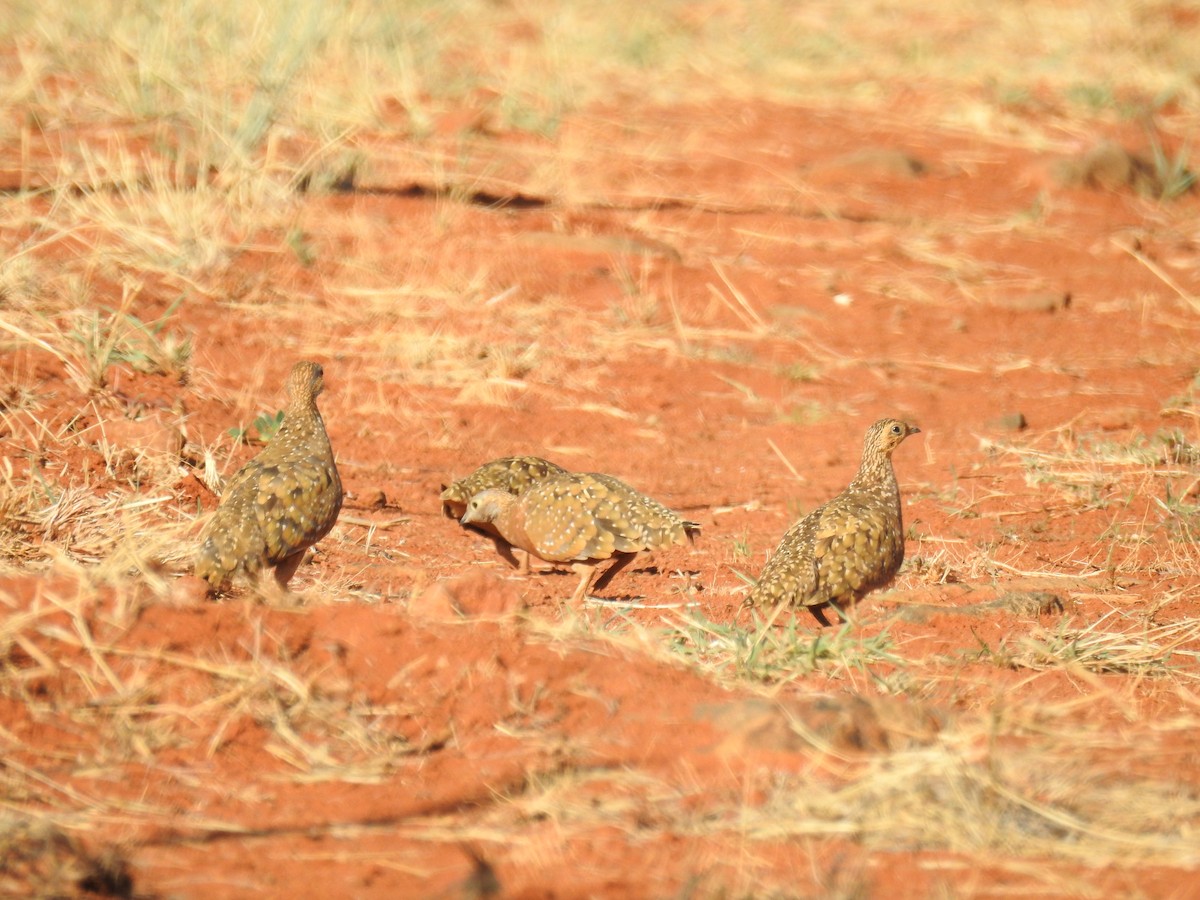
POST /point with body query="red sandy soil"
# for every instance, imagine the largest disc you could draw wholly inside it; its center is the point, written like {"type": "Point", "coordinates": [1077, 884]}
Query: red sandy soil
{"type": "Point", "coordinates": [502, 737]}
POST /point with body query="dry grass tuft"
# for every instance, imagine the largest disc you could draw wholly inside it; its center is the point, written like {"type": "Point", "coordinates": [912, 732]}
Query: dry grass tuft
{"type": "Point", "coordinates": [1021, 804]}
{"type": "Point", "coordinates": [1140, 650]}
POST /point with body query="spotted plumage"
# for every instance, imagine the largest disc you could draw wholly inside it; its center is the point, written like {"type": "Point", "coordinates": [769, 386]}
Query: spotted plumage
{"type": "Point", "coordinates": [281, 502]}
{"type": "Point", "coordinates": [582, 519]}
{"type": "Point", "coordinates": [847, 547]}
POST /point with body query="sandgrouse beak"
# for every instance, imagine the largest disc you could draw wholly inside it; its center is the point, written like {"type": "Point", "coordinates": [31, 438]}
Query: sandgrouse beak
{"type": "Point", "coordinates": [913, 429]}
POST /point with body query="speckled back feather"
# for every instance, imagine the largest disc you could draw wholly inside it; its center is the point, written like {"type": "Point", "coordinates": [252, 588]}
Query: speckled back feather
{"type": "Point", "coordinates": [849, 546]}
{"type": "Point", "coordinates": [656, 525]}
{"type": "Point", "coordinates": [281, 502]}
{"type": "Point", "coordinates": [512, 474]}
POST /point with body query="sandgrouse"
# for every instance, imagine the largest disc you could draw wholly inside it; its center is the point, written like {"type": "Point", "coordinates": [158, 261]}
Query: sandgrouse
{"type": "Point", "coordinates": [281, 502]}
{"type": "Point", "coordinates": [848, 547]}
{"type": "Point", "coordinates": [511, 474]}
{"type": "Point", "coordinates": [582, 519]}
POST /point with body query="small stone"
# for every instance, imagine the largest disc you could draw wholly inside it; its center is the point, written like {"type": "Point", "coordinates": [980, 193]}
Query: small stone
{"type": "Point", "coordinates": [878, 161]}
{"type": "Point", "coordinates": [1014, 421]}
{"type": "Point", "coordinates": [1045, 302]}
{"type": "Point", "coordinates": [1108, 166]}
{"type": "Point", "coordinates": [1032, 603]}
{"type": "Point", "coordinates": [1114, 418]}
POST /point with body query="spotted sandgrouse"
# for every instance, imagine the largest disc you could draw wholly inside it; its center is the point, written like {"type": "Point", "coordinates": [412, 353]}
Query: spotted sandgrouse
{"type": "Point", "coordinates": [583, 519]}
{"type": "Point", "coordinates": [511, 474]}
{"type": "Point", "coordinates": [847, 547]}
{"type": "Point", "coordinates": [281, 502]}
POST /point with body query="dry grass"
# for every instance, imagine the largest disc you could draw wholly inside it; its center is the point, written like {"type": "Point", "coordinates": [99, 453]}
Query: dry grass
{"type": "Point", "coordinates": [561, 57]}
{"type": "Point", "coordinates": [1022, 805]}
{"type": "Point", "coordinates": [1139, 650]}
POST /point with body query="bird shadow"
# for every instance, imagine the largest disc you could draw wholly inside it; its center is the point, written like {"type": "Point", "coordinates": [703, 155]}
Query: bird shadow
{"type": "Point", "coordinates": [640, 570]}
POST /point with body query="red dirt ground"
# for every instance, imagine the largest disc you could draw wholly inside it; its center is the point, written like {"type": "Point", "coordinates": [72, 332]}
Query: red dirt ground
{"type": "Point", "coordinates": [502, 737]}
